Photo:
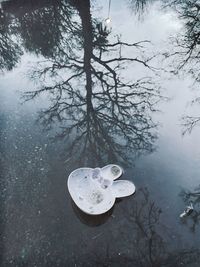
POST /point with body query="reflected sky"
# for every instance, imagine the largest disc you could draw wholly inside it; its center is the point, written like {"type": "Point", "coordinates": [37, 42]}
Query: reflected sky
{"type": "Point", "coordinates": [40, 224]}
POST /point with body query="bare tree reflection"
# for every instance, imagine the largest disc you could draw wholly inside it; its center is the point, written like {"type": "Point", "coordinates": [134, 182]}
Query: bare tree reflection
{"type": "Point", "coordinates": [149, 246]}
{"type": "Point", "coordinates": [147, 239]}
{"type": "Point", "coordinates": [142, 239]}
{"type": "Point", "coordinates": [189, 122]}
{"type": "Point", "coordinates": [105, 115]}
{"type": "Point", "coordinates": [186, 49]}
{"type": "Point", "coordinates": [113, 119]}
{"type": "Point", "coordinates": [135, 237]}
{"type": "Point", "coordinates": [184, 55]}
{"type": "Point", "coordinates": [187, 42]}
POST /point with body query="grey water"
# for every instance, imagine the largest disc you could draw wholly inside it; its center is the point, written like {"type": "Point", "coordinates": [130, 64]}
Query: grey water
{"type": "Point", "coordinates": [75, 93]}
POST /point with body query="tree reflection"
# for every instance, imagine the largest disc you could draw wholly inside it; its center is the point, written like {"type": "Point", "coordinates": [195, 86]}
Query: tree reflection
{"type": "Point", "coordinates": [103, 106]}
{"type": "Point", "coordinates": [82, 47]}
{"type": "Point", "coordinates": [149, 247]}
{"type": "Point", "coordinates": [184, 55]}
{"type": "Point", "coordinates": [142, 239]}
{"type": "Point", "coordinates": [105, 115]}
{"type": "Point", "coordinates": [187, 42]}
{"type": "Point", "coordinates": [140, 6]}
{"type": "Point", "coordinates": [111, 119]}
{"type": "Point", "coordinates": [10, 51]}
{"type": "Point", "coordinates": [186, 52]}
{"type": "Point", "coordinates": [153, 242]}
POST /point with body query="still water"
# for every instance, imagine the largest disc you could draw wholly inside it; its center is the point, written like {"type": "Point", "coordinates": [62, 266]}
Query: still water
{"type": "Point", "coordinates": [77, 92]}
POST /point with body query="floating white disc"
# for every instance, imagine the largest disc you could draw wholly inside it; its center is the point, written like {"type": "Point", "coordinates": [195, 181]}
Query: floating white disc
{"type": "Point", "coordinates": [94, 190]}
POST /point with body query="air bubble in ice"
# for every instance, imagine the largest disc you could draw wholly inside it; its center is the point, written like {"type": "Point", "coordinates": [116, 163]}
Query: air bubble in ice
{"type": "Point", "coordinates": [105, 183]}
{"type": "Point", "coordinates": [96, 173]}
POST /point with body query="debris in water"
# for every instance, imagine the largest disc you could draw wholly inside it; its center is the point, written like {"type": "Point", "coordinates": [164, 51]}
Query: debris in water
{"type": "Point", "coordinates": [189, 209]}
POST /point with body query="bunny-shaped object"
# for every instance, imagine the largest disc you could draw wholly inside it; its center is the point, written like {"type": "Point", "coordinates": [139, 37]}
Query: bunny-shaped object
{"type": "Point", "coordinates": [94, 190]}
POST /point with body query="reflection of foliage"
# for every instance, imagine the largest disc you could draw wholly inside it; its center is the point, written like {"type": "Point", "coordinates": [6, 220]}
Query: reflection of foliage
{"type": "Point", "coordinates": [104, 115]}
{"type": "Point", "coordinates": [102, 124]}
{"type": "Point", "coordinates": [110, 117]}
{"type": "Point", "coordinates": [151, 240]}
{"type": "Point", "coordinates": [143, 240]}
{"type": "Point", "coordinates": [36, 33]}
{"type": "Point", "coordinates": [189, 122]}
{"type": "Point", "coordinates": [32, 25]}
{"type": "Point", "coordinates": [139, 6]}
{"type": "Point", "coordinates": [186, 54]}
{"type": "Point", "coordinates": [140, 239]}
{"type": "Point", "coordinates": [192, 197]}
{"type": "Point", "coordinates": [10, 52]}
{"type": "Point", "coordinates": [144, 216]}
{"type": "Point", "coordinates": [188, 43]}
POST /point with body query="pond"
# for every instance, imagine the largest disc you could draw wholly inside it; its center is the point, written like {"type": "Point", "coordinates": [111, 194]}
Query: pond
{"type": "Point", "coordinates": [87, 84]}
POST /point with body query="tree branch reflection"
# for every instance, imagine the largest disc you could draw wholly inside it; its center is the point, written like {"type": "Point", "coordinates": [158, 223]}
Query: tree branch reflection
{"type": "Point", "coordinates": [105, 114]}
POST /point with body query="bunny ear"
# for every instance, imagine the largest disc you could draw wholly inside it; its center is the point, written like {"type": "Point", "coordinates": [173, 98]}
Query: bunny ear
{"type": "Point", "coordinates": [122, 188]}
{"type": "Point", "coordinates": [112, 171]}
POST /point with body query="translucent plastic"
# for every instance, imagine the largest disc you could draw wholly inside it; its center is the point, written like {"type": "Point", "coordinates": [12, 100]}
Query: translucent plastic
{"type": "Point", "coordinates": [94, 190]}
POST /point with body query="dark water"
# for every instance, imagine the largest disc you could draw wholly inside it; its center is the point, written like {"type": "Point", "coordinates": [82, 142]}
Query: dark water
{"type": "Point", "coordinates": [99, 100]}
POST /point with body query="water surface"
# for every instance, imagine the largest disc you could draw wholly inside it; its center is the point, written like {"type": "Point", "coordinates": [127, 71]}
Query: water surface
{"type": "Point", "coordinates": [99, 100]}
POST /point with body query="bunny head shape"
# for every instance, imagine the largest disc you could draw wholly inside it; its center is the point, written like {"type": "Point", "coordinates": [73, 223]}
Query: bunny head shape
{"type": "Point", "coordinates": [94, 190]}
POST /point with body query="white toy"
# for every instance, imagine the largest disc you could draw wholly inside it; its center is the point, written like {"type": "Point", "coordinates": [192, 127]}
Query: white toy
{"type": "Point", "coordinates": [94, 190]}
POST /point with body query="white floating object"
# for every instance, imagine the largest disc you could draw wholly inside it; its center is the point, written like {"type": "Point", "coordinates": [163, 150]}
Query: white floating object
{"type": "Point", "coordinates": [189, 209]}
{"type": "Point", "coordinates": [123, 188]}
{"type": "Point", "coordinates": [94, 190]}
